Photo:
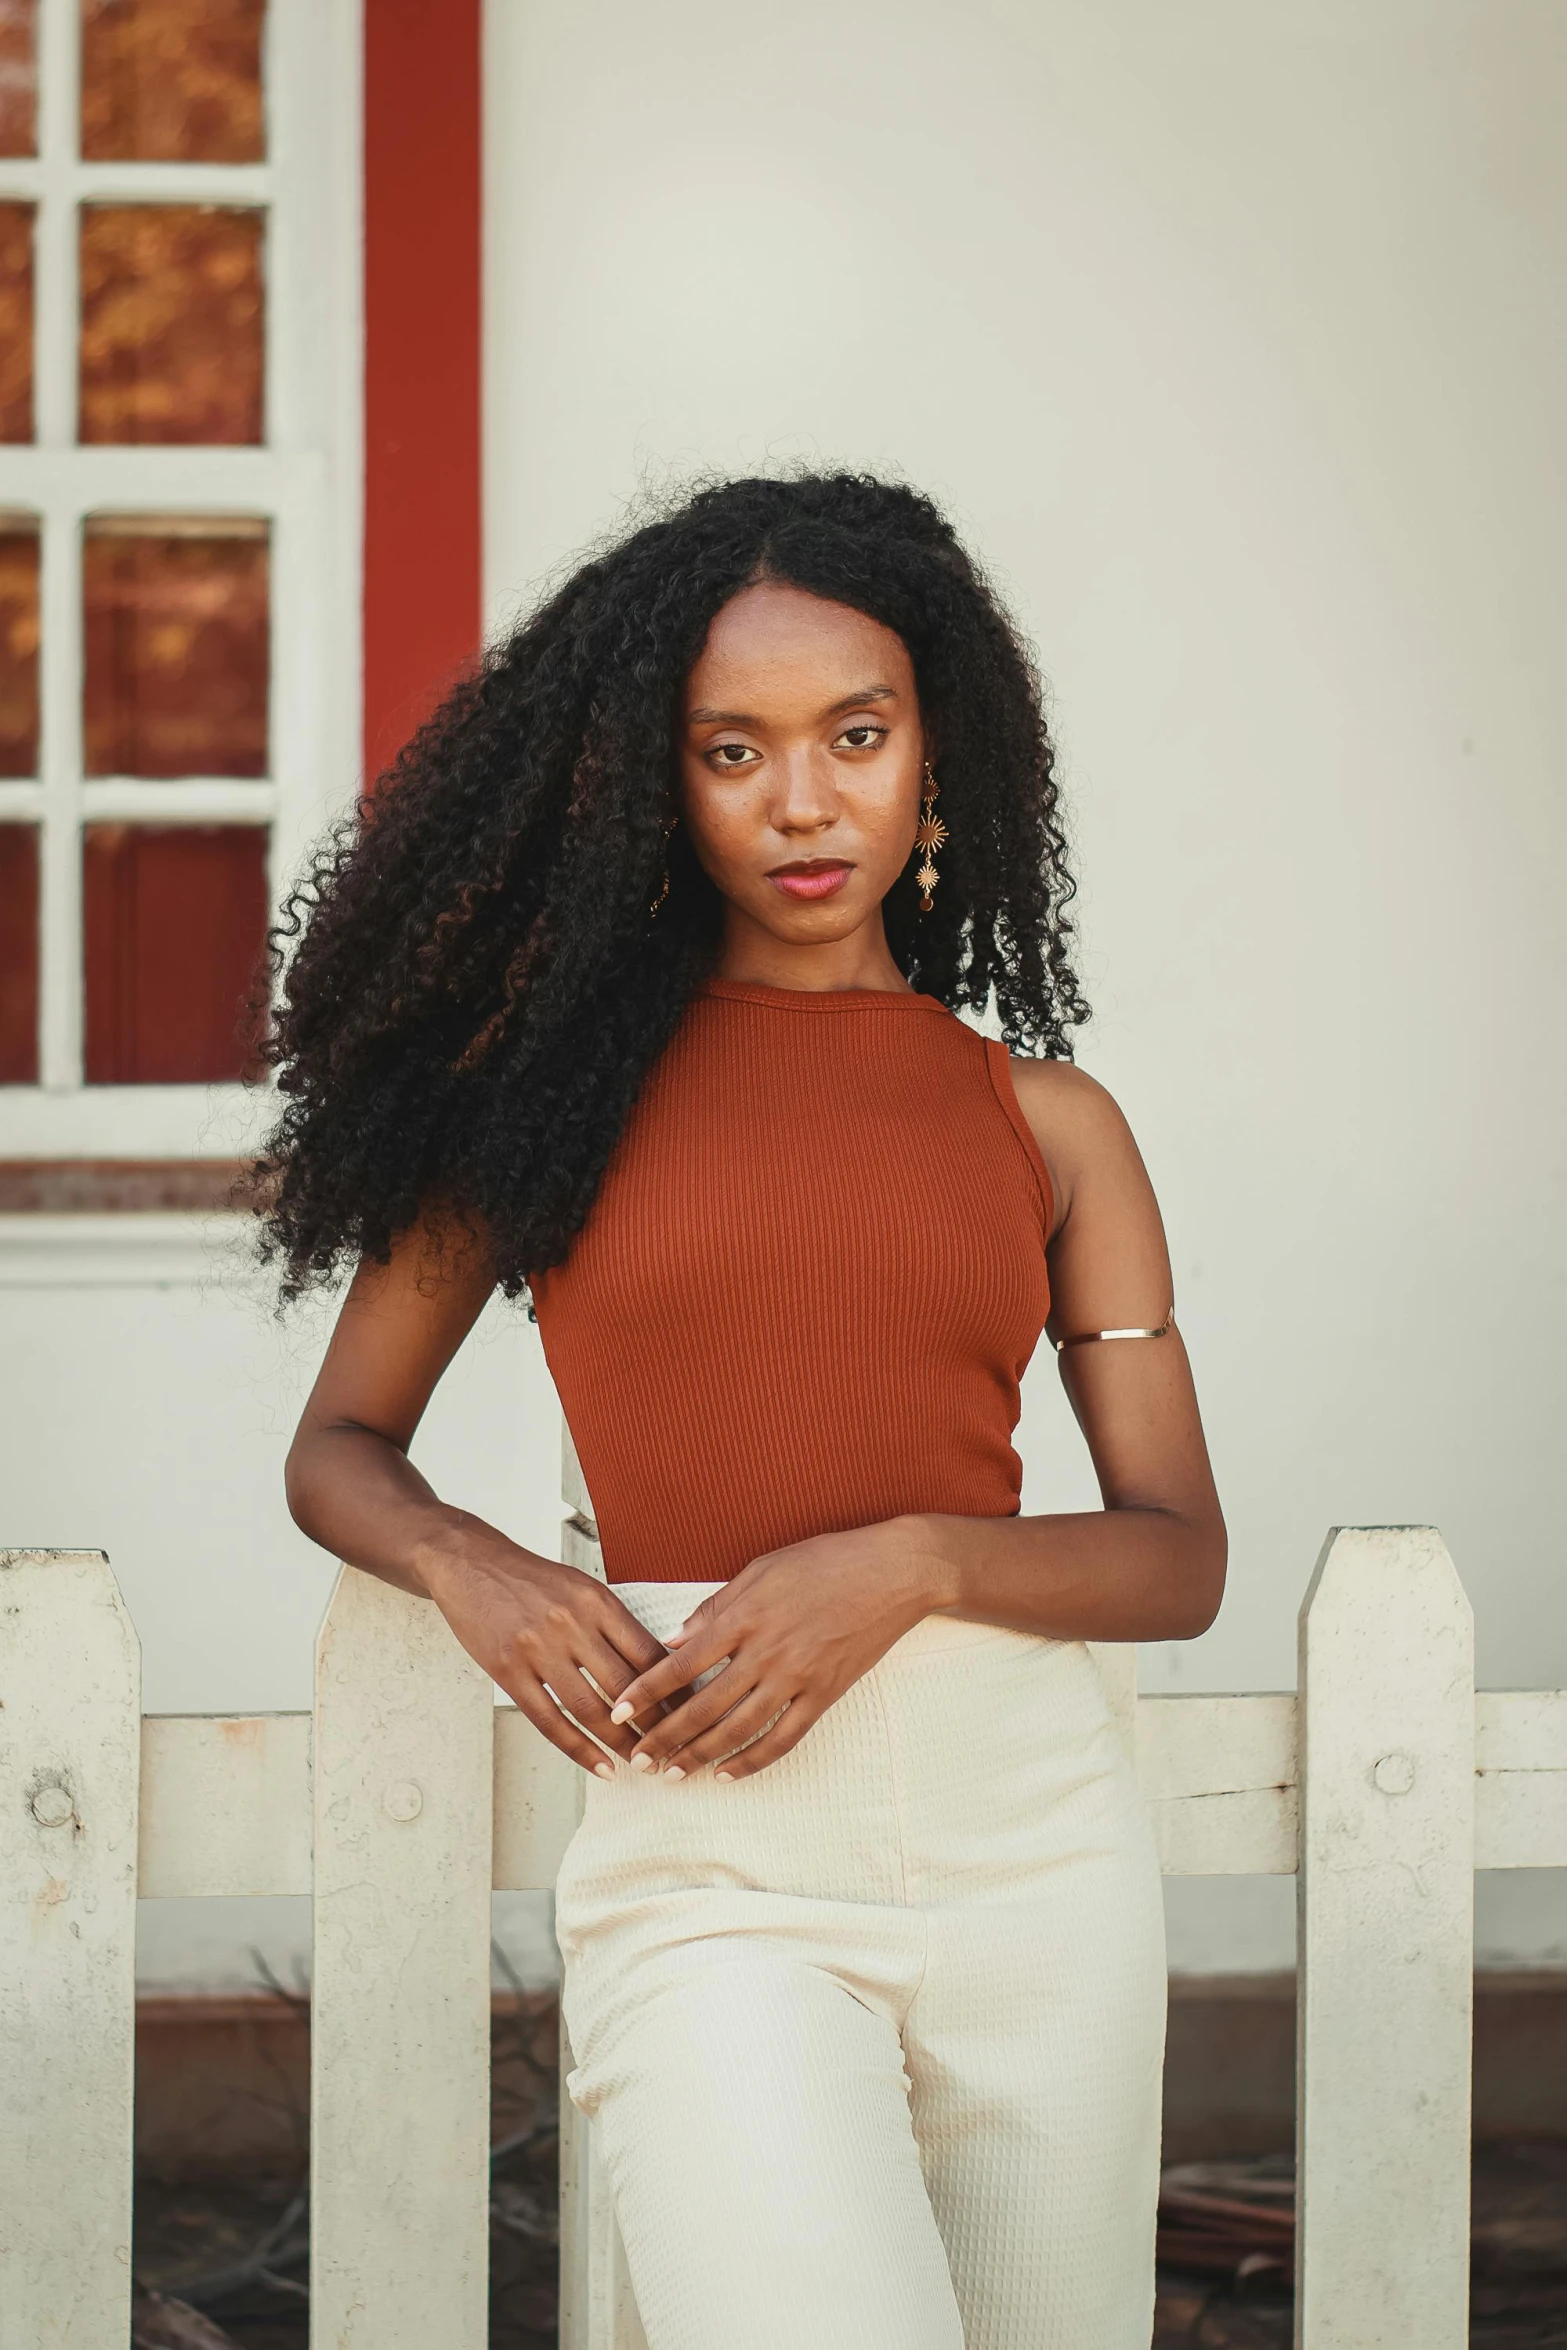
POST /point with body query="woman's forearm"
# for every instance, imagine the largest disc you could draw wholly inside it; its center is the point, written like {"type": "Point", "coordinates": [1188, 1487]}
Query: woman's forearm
{"type": "Point", "coordinates": [1115, 1574]}
{"type": "Point", "coordinates": [533, 1624]}
{"type": "Point", "coordinates": [360, 1496]}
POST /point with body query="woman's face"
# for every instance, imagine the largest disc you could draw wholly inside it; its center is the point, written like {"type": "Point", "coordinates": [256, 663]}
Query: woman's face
{"type": "Point", "coordinates": [801, 761]}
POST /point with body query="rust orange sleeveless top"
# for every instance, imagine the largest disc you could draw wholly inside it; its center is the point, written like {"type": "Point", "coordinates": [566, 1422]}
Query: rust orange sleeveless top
{"type": "Point", "coordinates": [809, 1284]}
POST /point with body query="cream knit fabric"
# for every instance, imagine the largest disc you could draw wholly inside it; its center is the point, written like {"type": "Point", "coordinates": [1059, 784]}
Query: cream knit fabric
{"type": "Point", "coordinates": [872, 2042]}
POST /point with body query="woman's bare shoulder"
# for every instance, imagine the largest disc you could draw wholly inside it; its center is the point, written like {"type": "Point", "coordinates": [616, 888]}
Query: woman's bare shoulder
{"type": "Point", "coordinates": [1078, 1125]}
{"type": "Point", "coordinates": [1062, 1100]}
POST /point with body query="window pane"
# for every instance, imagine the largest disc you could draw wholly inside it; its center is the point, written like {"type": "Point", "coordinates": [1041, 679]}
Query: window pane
{"type": "Point", "coordinates": [175, 921]}
{"type": "Point", "coordinates": [18, 77]}
{"type": "Point", "coordinates": [171, 323]}
{"type": "Point", "coordinates": [18, 954]}
{"type": "Point", "coordinates": [176, 643]}
{"type": "Point", "coordinates": [171, 80]}
{"type": "Point", "coordinates": [18, 647]}
{"type": "Point", "coordinates": [16, 321]}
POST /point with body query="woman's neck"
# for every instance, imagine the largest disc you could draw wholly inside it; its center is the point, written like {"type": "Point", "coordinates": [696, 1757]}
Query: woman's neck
{"type": "Point", "coordinates": [755, 958]}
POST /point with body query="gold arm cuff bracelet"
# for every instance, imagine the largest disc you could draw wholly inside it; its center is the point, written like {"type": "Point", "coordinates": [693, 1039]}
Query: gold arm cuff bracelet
{"type": "Point", "coordinates": [1093, 1337]}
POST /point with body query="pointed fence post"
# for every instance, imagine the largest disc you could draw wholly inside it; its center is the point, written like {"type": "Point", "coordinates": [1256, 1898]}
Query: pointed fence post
{"type": "Point", "coordinates": [70, 1744]}
{"type": "Point", "coordinates": [1117, 1663]}
{"type": "Point", "coordinates": [400, 2007]}
{"type": "Point", "coordinates": [1386, 1945]}
{"type": "Point", "coordinates": [597, 2308]}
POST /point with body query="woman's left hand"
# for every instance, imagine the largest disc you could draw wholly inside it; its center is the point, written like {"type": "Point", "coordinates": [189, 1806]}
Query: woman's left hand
{"type": "Point", "coordinates": [798, 1628]}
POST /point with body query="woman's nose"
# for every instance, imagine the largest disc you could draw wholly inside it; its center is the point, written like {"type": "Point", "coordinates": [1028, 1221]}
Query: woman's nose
{"type": "Point", "coordinates": [806, 799]}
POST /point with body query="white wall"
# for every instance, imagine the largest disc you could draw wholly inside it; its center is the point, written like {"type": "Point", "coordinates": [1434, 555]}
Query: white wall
{"type": "Point", "coordinates": [1233, 338]}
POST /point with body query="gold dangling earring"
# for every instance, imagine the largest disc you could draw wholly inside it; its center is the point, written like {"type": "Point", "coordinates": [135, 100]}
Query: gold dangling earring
{"type": "Point", "coordinates": [931, 836]}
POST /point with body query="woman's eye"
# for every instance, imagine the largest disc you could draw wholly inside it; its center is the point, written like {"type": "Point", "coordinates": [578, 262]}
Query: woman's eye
{"type": "Point", "coordinates": [733, 754]}
{"type": "Point", "coordinates": [864, 737]}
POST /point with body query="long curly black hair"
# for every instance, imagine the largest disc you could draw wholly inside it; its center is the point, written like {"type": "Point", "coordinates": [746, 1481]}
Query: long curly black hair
{"type": "Point", "coordinates": [468, 987]}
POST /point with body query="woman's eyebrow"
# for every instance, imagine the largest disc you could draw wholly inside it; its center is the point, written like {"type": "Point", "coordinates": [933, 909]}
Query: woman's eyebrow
{"type": "Point", "coordinates": [702, 716]}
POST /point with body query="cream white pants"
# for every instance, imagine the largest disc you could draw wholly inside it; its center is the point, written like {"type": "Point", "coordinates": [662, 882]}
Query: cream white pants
{"type": "Point", "coordinates": [871, 2043]}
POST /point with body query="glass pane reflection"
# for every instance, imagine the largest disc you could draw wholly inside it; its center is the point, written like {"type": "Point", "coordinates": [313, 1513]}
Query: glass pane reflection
{"type": "Point", "coordinates": [18, 954]}
{"type": "Point", "coordinates": [177, 81]}
{"type": "Point", "coordinates": [177, 646]}
{"type": "Point", "coordinates": [18, 77]}
{"type": "Point", "coordinates": [175, 921]}
{"type": "Point", "coordinates": [18, 647]}
{"type": "Point", "coordinates": [171, 323]}
{"type": "Point", "coordinates": [16, 322]}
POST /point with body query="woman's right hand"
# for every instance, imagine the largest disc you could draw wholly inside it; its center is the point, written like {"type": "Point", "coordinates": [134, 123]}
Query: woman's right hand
{"type": "Point", "coordinates": [537, 1626]}
{"type": "Point", "coordinates": [533, 1624]}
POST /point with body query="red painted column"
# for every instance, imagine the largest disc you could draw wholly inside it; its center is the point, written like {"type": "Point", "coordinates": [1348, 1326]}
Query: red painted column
{"type": "Point", "coordinates": [422, 228]}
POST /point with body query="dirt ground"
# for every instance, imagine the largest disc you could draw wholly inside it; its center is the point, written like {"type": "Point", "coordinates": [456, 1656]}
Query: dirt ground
{"type": "Point", "coordinates": [188, 2233]}
{"type": "Point", "coordinates": [1232, 2291]}
{"type": "Point", "coordinates": [222, 2261]}
{"type": "Point", "coordinates": [239, 2250]}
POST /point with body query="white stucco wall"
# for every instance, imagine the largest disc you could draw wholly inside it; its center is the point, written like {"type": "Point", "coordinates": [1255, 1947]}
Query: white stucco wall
{"type": "Point", "coordinates": [1233, 337]}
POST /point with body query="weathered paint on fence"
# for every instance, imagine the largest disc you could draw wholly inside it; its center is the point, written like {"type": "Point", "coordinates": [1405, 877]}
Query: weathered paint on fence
{"type": "Point", "coordinates": [70, 1716]}
{"type": "Point", "coordinates": [1219, 1776]}
{"type": "Point", "coordinates": [225, 1804]}
{"type": "Point", "coordinates": [1386, 1952]}
{"type": "Point", "coordinates": [1117, 1662]}
{"type": "Point", "coordinates": [400, 1993]}
{"type": "Point", "coordinates": [1520, 1778]}
{"type": "Point", "coordinates": [226, 1801]}
{"type": "Point", "coordinates": [425, 1794]}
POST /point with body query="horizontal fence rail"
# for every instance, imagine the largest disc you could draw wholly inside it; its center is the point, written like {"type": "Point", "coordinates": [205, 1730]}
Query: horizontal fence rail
{"type": "Point", "coordinates": [226, 1800]}
{"type": "Point", "coordinates": [408, 1795]}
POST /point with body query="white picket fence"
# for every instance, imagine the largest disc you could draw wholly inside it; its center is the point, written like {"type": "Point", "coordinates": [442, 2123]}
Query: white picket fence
{"type": "Point", "coordinates": [1383, 1784]}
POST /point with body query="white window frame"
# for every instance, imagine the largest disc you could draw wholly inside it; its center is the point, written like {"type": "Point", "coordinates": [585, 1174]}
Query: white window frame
{"type": "Point", "coordinates": [304, 481]}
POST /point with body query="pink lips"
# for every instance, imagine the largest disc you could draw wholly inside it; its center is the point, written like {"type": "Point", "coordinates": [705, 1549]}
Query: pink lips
{"type": "Point", "coordinates": [810, 881]}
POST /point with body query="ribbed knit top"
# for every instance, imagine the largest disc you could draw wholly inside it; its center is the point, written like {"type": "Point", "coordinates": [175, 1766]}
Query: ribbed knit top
{"type": "Point", "coordinates": [809, 1284]}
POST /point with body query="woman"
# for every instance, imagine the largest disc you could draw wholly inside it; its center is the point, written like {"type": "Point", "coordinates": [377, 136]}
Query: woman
{"type": "Point", "coordinates": [635, 989]}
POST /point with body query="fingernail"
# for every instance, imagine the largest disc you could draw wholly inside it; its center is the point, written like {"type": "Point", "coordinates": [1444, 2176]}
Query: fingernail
{"type": "Point", "coordinates": [603, 1770]}
{"type": "Point", "coordinates": [676, 1636]}
{"type": "Point", "coordinates": [728, 1777]}
{"type": "Point", "coordinates": [674, 1772]}
{"type": "Point", "coordinates": [622, 1712]}
{"type": "Point", "coordinates": [641, 1762]}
